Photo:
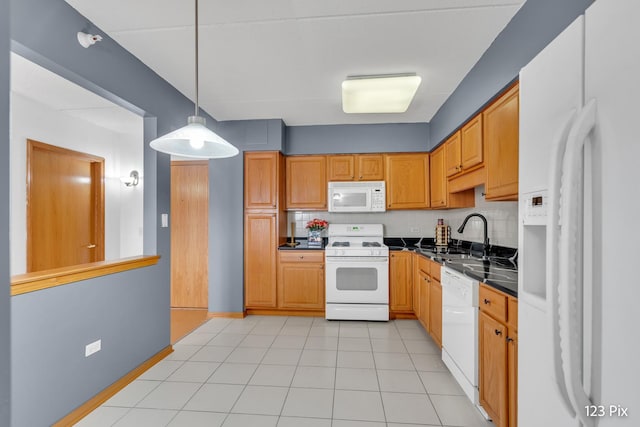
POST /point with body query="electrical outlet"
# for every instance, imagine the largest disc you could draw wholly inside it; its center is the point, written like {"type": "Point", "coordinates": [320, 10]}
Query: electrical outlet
{"type": "Point", "coordinates": [414, 229]}
{"type": "Point", "coordinates": [92, 348]}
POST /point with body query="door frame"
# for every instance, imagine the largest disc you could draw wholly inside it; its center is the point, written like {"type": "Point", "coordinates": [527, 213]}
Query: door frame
{"type": "Point", "coordinates": [97, 190]}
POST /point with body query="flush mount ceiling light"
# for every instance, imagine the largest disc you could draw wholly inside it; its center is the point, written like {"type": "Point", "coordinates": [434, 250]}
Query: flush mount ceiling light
{"type": "Point", "coordinates": [195, 139]}
{"type": "Point", "coordinates": [379, 94]}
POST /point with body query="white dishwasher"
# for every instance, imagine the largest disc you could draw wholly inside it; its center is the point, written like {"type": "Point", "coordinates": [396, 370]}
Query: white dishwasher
{"type": "Point", "coordinates": [460, 330]}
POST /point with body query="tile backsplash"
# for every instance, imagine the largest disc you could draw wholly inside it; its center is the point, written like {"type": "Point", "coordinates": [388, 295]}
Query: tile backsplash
{"type": "Point", "coordinates": [502, 220]}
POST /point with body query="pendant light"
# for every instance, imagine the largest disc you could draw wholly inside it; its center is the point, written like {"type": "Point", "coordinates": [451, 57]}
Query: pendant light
{"type": "Point", "coordinates": [195, 139]}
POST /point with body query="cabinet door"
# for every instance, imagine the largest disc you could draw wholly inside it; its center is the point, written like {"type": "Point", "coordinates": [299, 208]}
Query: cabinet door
{"type": "Point", "coordinates": [452, 150]}
{"type": "Point", "coordinates": [301, 285]}
{"type": "Point", "coordinates": [435, 311]}
{"type": "Point", "coordinates": [341, 168]}
{"type": "Point", "coordinates": [492, 364]}
{"type": "Point", "coordinates": [438, 179]}
{"type": "Point", "coordinates": [260, 242]}
{"type": "Point", "coordinates": [512, 357]}
{"type": "Point", "coordinates": [407, 181]}
{"type": "Point", "coordinates": [400, 283]}
{"type": "Point", "coordinates": [471, 143]}
{"type": "Point", "coordinates": [425, 285]}
{"type": "Point", "coordinates": [501, 147]}
{"type": "Point", "coordinates": [306, 182]}
{"type": "Point", "coordinates": [370, 167]}
{"type": "Point", "coordinates": [261, 180]}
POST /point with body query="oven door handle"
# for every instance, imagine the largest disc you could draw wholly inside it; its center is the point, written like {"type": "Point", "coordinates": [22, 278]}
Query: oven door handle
{"type": "Point", "coordinates": [342, 260]}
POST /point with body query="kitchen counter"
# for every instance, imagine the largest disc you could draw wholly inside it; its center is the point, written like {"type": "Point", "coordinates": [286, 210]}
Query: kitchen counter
{"type": "Point", "coordinates": [498, 272]}
{"type": "Point", "coordinates": [302, 246]}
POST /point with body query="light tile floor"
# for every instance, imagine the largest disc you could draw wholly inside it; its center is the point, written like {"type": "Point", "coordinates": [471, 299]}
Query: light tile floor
{"type": "Point", "coordinates": [295, 372]}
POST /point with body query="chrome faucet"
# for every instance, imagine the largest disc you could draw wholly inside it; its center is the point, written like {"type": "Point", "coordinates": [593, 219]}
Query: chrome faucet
{"type": "Point", "coordinates": [485, 246]}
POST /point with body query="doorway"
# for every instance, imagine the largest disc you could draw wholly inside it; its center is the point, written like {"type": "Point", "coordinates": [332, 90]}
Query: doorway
{"type": "Point", "coordinates": [65, 207]}
{"type": "Point", "coordinates": [190, 234]}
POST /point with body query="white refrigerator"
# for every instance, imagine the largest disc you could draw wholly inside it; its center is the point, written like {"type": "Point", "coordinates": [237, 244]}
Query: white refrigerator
{"type": "Point", "coordinates": [579, 224]}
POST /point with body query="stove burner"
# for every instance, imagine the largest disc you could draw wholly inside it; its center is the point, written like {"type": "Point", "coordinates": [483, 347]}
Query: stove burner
{"type": "Point", "coordinates": [371, 244]}
{"type": "Point", "coordinates": [341, 244]}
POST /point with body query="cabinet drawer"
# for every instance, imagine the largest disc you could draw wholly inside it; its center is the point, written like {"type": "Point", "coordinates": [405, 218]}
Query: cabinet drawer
{"type": "Point", "coordinates": [435, 270]}
{"type": "Point", "coordinates": [493, 303]}
{"type": "Point", "coordinates": [512, 313]}
{"type": "Point", "coordinates": [424, 264]}
{"type": "Point", "coordinates": [301, 256]}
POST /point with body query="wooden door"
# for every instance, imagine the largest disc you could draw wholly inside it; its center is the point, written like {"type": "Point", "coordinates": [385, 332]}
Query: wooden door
{"type": "Point", "coordinates": [400, 289]}
{"type": "Point", "coordinates": [370, 167]}
{"type": "Point", "coordinates": [438, 180]}
{"type": "Point", "coordinates": [435, 311]}
{"type": "Point", "coordinates": [306, 182]}
{"type": "Point", "coordinates": [260, 250]}
{"type": "Point", "coordinates": [471, 143]}
{"type": "Point", "coordinates": [452, 154]}
{"type": "Point", "coordinates": [261, 180]}
{"type": "Point", "coordinates": [341, 168]}
{"type": "Point", "coordinates": [407, 181]}
{"type": "Point", "coordinates": [501, 127]}
{"type": "Point", "coordinates": [190, 234]}
{"type": "Point", "coordinates": [492, 363]}
{"type": "Point", "coordinates": [65, 207]}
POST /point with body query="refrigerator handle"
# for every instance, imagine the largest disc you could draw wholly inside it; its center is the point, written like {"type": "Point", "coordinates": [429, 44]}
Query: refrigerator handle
{"type": "Point", "coordinates": [572, 328]}
{"type": "Point", "coordinates": [553, 241]}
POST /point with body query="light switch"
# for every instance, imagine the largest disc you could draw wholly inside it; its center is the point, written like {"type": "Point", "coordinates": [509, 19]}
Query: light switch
{"type": "Point", "coordinates": [164, 220]}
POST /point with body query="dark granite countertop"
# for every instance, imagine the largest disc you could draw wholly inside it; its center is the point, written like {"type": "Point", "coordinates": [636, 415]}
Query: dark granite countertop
{"type": "Point", "coordinates": [302, 246]}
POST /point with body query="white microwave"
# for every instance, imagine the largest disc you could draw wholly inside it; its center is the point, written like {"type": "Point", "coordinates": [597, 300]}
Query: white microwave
{"type": "Point", "coordinates": [357, 196]}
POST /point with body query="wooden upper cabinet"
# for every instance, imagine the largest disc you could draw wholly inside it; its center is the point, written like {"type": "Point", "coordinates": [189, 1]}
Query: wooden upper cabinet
{"type": "Point", "coordinates": [438, 180]}
{"type": "Point", "coordinates": [452, 154]}
{"type": "Point", "coordinates": [341, 168]}
{"type": "Point", "coordinates": [306, 182]}
{"type": "Point", "coordinates": [262, 170]}
{"type": "Point", "coordinates": [355, 167]}
{"type": "Point", "coordinates": [501, 146]}
{"type": "Point", "coordinates": [407, 180]}
{"type": "Point", "coordinates": [370, 167]}
{"type": "Point", "coordinates": [471, 152]}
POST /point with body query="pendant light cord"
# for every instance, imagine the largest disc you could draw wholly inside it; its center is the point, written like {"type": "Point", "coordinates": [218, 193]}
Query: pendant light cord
{"type": "Point", "coordinates": [197, 58]}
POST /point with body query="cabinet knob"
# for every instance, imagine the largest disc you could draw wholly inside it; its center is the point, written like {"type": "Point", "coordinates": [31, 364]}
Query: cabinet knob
{"type": "Point", "coordinates": [301, 256]}
{"type": "Point", "coordinates": [486, 301]}
{"type": "Point", "coordinates": [360, 177]}
{"type": "Point", "coordinates": [498, 332]}
{"type": "Point", "coordinates": [509, 339]}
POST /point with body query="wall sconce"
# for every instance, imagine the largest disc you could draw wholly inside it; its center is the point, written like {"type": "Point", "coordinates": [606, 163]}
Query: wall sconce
{"type": "Point", "coordinates": [132, 180]}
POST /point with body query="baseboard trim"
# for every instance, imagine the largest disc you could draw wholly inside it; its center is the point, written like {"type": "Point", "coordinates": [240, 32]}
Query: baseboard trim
{"type": "Point", "coordinates": [393, 315]}
{"type": "Point", "coordinates": [230, 314]}
{"type": "Point", "coordinates": [83, 410]}
{"type": "Point", "coordinates": [280, 312]}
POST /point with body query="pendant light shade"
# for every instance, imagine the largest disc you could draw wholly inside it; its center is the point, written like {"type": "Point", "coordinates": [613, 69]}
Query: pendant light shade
{"type": "Point", "coordinates": [195, 139]}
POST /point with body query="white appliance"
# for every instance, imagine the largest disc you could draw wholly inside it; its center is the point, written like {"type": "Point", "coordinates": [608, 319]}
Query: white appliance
{"type": "Point", "coordinates": [578, 237]}
{"type": "Point", "coordinates": [357, 273]}
{"type": "Point", "coordinates": [357, 196]}
{"type": "Point", "coordinates": [460, 330]}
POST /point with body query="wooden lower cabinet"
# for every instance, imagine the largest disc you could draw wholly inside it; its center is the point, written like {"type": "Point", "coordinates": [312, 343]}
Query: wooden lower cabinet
{"type": "Point", "coordinates": [260, 241]}
{"type": "Point", "coordinates": [423, 316]}
{"type": "Point", "coordinates": [401, 282]}
{"type": "Point", "coordinates": [301, 280]}
{"type": "Point", "coordinates": [498, 356]}
{"type": "Point", "coordinates": [435, 311]}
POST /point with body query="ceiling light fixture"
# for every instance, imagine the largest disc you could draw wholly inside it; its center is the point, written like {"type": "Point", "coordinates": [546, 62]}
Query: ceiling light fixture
{"type": "Point", "coordinates": [87, 40]}
{"type": "Point", "coordinates": [194, 139]}
{"type": "Point", "coordinates": [391, 93]}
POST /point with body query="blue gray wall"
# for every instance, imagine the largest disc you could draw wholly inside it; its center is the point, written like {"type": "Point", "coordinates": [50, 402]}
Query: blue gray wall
{"type": "Point", "coordinates": [357, 138]}
{"type": "Point", "coordinates": [5, 313]}
{"type": "Point", "coordinates": [531, 29]}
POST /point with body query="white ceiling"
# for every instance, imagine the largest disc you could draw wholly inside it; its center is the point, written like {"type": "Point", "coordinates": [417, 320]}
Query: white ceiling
{"type": "Point", "coordinates": [43, 86]}
{"type": "Point", "coordinates": [287, 58]}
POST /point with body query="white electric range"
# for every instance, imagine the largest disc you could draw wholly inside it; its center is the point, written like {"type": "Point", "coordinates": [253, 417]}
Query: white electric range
{"type": "Point", "coordinates": [357, 273]}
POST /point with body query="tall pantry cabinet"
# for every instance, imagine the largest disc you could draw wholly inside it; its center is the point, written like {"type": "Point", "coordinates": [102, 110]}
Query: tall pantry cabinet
{"type": "Point", "coordinates": [265, 226]}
